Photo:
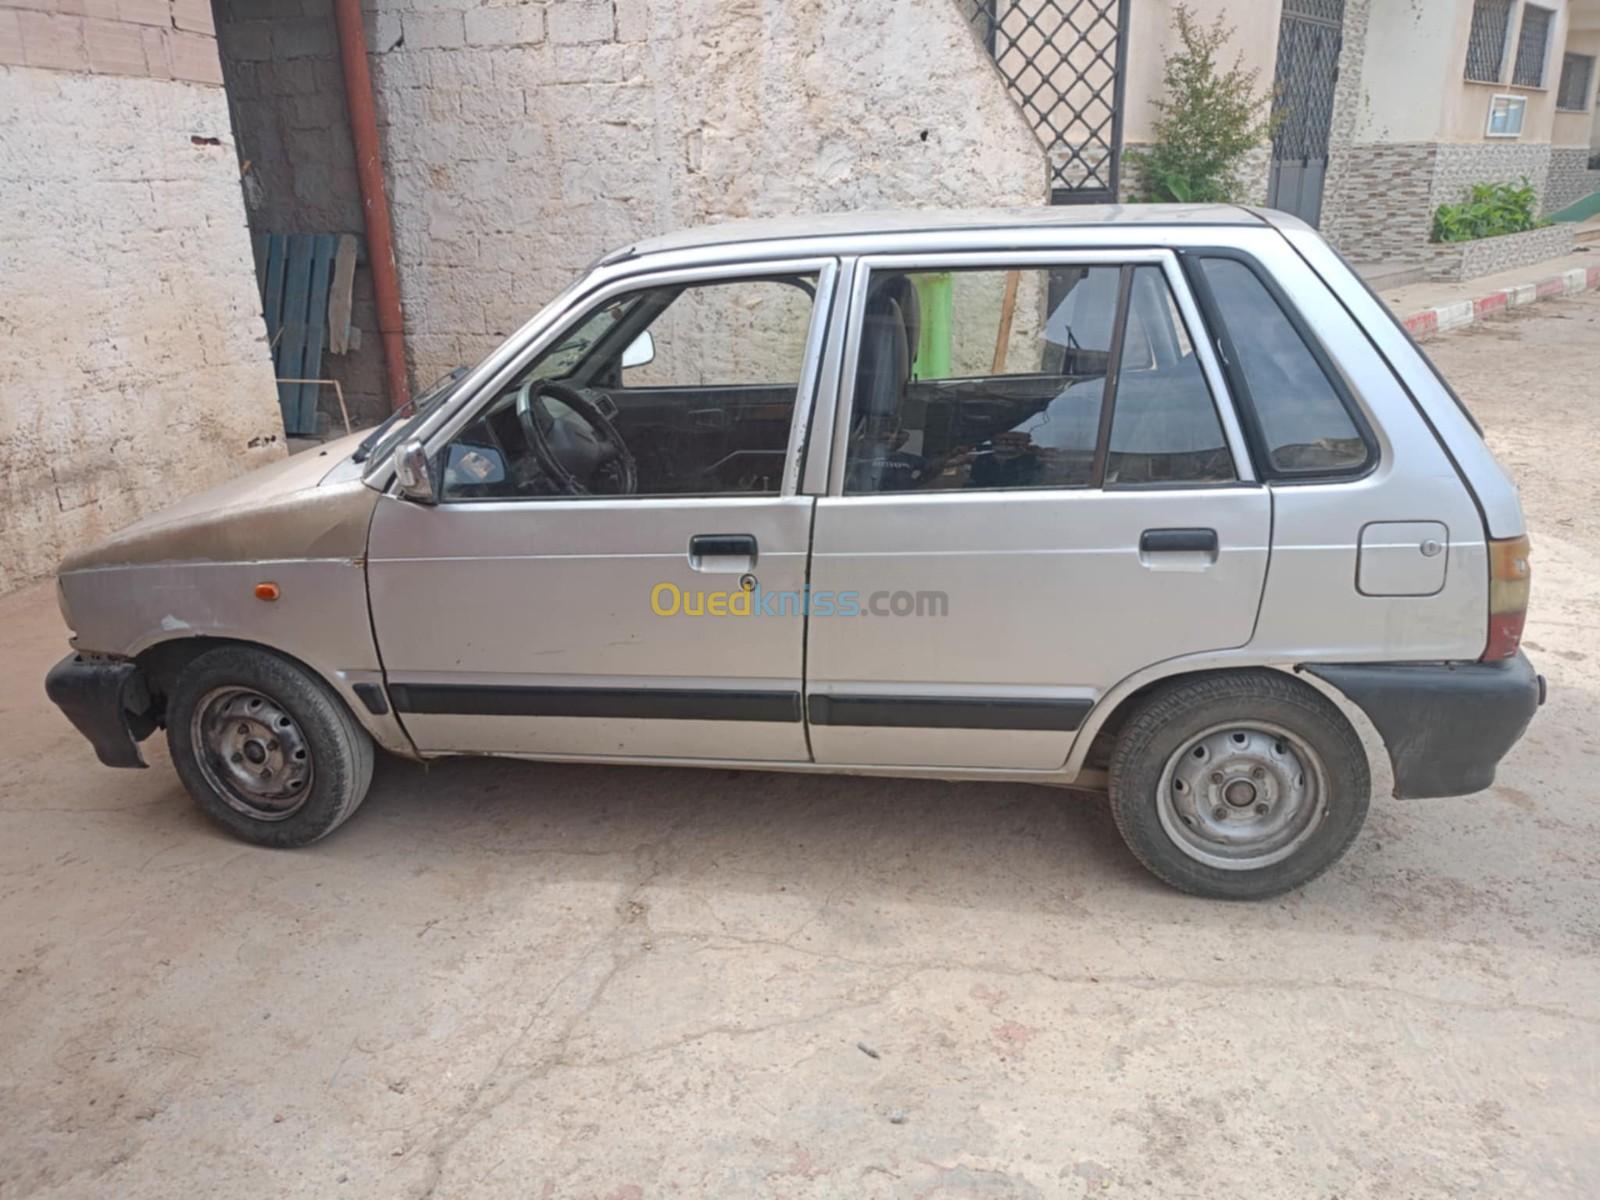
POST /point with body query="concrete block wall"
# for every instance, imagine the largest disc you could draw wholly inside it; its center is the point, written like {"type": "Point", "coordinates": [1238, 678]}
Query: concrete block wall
{"type": "Point", "coordinates": [281, 62]}
{"type": "Point", "coordinates": [133, 358]}
{"type": "Point", "coordinates": [524, 140]}
{"type": "Point", "coordinates": [142, 39]}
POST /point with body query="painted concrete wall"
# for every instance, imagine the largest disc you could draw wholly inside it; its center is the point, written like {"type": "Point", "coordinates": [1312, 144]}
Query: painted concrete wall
{"type": "Point", "coordinates": [1466, 105]}
{"type": "Point", "coordinates": [1409, 130]}
{"type": "Point", "coordinates": [133, 362]}
{"type": "Point", "coordinates": [1252, 44]}
{"type": "Point", "coordinates": [1415, 58]}
{"type": "Point", "coordinates": [1151, 38]}
{"type": "Point", "coordinates": [524, 140]}
{"type": "Point", "coordinates": [1414, 53]}
{"type": "Point", "coordinates": [1571, 128]}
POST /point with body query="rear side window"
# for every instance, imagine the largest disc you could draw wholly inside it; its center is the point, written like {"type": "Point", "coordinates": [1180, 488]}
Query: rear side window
{"type": "Point", "coordinates": [1064, 376]}
{"type": "Point", "coordinates": [1164, 426]}
{"type": "Point", "coordinates": [1302, 423]}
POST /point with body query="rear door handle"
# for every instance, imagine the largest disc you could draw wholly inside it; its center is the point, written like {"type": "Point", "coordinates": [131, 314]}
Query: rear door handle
{"type": "Point", "coordinates": [722, 552]}
{"type": "Point", "coordinates": [1175, 541]}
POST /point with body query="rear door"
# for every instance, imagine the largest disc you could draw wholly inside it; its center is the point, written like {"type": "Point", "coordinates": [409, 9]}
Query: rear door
{"type": "Point", "coordinates": [1036, 488]}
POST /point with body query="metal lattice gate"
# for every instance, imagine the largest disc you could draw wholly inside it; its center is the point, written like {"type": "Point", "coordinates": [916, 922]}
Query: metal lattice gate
{"type": "Point", "coordinates": [1309, 39]}
{"type": "Point", "coordinates": [1063, 62]}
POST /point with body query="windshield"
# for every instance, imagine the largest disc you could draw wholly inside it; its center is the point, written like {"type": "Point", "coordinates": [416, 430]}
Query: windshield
{"type": "Point", "coordinates": [563, 358]}
{"type": "Point", "coordinates": [555, 363]}
{"type": "Point", "coordinates": [385, 434]}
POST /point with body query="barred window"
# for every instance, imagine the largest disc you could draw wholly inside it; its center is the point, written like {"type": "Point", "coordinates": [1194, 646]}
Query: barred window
{"type": "Point", "coordinates": [1486, 46]}
{"type": "Point", "coordinates": [1577, 72]}
{"type": "Point", "coordinates": [1532, 45]}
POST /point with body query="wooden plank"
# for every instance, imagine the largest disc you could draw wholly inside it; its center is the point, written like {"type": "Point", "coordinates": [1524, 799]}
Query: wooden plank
{"type": "Point", "coordinates": [291, 354]}
{"type": "Point", "coordinates": [341, 294]}
{"type": "Point", "coordinates": [1008, 308]}
{"type": "Point", "coordinates": [322, 250]}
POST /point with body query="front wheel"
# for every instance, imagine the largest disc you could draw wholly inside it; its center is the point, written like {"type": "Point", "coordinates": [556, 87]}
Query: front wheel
{"type": "Point", "coordinates": [267, 750]}
{"type": "Point", "coordinates": [1239, 786]}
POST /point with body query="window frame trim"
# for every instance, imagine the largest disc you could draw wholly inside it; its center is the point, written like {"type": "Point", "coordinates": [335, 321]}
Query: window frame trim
{"type": "Point", "coordinates": [1588, 82]}
{"type": "Point", "coordinates": [1544, 51]}
{"type": "Point", "coordinates": [1506, 56]}
{"type": "Point", "coordinates": [1513, 100]}
{"type": "Point", "coordinates": [1125, 258]}
{"type": "Point", "coordinates": [1217, 328]}
{"type": "Point", "coordinates": [825, 268]}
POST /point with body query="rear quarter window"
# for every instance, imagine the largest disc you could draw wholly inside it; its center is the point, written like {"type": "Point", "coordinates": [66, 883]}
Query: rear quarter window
{"type": "Point", "coordinates": [1301, 422]}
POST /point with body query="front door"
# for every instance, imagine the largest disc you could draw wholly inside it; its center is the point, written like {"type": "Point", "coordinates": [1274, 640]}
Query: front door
{"type": "Point", "coordinates": [1309, 39]}
{"type": "Point", "coordinates": [1017, 519]}
{"type": "Point", "coordinates": [600, 518]}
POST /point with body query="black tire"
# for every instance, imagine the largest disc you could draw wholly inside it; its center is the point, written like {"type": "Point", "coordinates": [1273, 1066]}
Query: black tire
{"type": "Point", "coordinates": [1172, 718]}
{"type": "Point", "coordinates": [338, 750]}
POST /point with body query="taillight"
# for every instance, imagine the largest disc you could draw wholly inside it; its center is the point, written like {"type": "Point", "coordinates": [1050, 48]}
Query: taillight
{"type": "Point", "coordinates": [1509, 577]}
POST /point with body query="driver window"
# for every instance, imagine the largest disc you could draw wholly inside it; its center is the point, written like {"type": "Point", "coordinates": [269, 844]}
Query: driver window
{"type": "Point", "coordinates": [751, 333]}
{"type": "Point", "coordinates": [680, 391]}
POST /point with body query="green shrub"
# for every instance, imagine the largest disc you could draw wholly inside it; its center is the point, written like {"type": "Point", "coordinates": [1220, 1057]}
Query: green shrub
{"type": "Point", "coordinates": [1489, 210]}
{"type": "Point", "coordinates": [1207, 120]}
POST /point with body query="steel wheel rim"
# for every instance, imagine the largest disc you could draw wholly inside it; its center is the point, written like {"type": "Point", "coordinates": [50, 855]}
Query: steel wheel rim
{"type": "Point", "coordinates": [252, 753]}
{"type": "Point", "coordinates": [1242, 795]}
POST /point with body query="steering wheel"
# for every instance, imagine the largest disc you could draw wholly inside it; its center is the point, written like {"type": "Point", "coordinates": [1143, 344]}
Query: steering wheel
{"type": "Point", "coordinates": [575, 444]}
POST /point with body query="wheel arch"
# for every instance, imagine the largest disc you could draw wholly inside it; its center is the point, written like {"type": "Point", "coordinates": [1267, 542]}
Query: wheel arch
{"type": "Point", "coordinates": [161, 662]}
{"type": "Point", "coordinates": [1091, 749]}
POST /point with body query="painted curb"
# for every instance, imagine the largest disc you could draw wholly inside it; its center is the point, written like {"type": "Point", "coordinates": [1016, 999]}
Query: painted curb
{"type": "Point", "coordinates": [1430, 321]}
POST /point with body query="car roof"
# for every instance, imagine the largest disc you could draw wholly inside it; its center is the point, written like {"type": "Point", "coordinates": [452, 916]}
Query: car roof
{"type": "Point", "coordinates": [930, 220]}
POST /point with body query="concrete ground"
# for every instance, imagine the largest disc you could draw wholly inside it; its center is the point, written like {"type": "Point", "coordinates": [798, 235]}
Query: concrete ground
{"type": "Point", "coordinates": [514, 980]}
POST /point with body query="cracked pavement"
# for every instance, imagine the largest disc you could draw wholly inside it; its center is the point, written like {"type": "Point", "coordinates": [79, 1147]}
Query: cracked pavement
{"type": "Point", "coordinates": [508, 979]}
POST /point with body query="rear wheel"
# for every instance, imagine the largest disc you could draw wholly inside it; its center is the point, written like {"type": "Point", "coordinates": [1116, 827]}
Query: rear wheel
{"type": "Point", "coordinates": [267, 750]}
{"type": "Point", "coordinates": [1239, 786]}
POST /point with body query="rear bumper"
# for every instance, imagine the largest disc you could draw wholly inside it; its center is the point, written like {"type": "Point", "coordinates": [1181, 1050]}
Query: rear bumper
{"type": "Point", "coordinates": [1446, 725]}
{"type": "Point", "coordinates": [108, 702]}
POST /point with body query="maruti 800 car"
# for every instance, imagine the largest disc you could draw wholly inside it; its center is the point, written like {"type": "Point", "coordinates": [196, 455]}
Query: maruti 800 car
{"type": "Point", "coordinates": [1151, 499]}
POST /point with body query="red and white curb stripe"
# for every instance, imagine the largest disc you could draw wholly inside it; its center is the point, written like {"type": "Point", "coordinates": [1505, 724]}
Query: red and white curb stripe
{"type": "Point", "coordinates": [1430, 321]}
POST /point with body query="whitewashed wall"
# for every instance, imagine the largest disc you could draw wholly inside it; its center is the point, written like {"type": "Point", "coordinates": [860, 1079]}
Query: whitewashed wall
{"type": "Point", "coordinates": [133, 359]}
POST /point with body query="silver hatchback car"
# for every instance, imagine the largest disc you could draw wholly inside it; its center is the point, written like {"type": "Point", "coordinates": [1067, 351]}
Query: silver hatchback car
{"type": "Point", "coordinates": [1149, 499]}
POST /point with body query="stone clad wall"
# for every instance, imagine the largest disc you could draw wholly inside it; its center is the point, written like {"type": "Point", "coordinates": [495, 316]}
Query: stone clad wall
{"type": "Point", "coordinates": [1570, 178]}
{"type": "Point", "coordinates": [524, 140]}
{"type": "Point", "coordinates": [1379, 202]}
{"type": "Point", "coordinates": [1457, 261]}
{"type": "Point", "coordinates": [133, 359]}
{"type": "Point", "coordinates": [1341, 200]}
{"type": "Point", "coordinates": [1459, 165]}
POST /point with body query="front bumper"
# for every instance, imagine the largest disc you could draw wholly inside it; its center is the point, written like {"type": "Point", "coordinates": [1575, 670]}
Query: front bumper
{"type": "Point", "coordinates": [1446, 725]}
{"type": "Point", "coordinates": [108, 702]}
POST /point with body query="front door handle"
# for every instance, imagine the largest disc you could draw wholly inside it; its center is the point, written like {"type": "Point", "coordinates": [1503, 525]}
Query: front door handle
{"type": "Point", "coordinates": [1177, 541]}
{"type": "Point", "coordinates": [723, 553]}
